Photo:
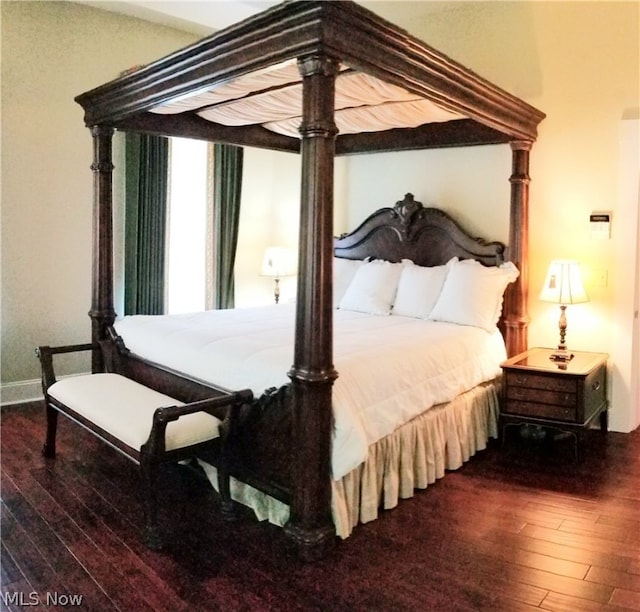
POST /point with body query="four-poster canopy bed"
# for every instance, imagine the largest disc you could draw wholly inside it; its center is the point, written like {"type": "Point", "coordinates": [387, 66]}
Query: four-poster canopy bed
{"type": "Point", "coordinates": [322, 79]}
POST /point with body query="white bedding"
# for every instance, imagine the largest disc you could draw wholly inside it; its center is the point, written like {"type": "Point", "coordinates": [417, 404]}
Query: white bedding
{"type": "Point", "coordinates": [391, 368]}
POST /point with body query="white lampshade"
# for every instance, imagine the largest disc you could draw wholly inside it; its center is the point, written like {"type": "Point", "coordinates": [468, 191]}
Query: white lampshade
{"type": "Point", "coordinates": [563, 284]}
{"type": "Point", "coordinates": [278, 262]}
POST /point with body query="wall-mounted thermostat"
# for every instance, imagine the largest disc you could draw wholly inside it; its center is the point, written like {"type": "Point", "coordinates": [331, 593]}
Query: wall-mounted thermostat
{"type": "Point", "coordinates": [600, 223]}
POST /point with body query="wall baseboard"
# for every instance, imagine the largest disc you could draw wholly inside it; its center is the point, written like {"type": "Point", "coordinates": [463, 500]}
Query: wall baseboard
{"type": "Point", "coordinates": [25, 391]}
{"type": "Point", "coordinates": [20, 392]}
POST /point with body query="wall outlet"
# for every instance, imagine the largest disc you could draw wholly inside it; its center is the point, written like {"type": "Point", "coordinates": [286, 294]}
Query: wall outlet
{"type": "Point", "coordinates": [600, 277]}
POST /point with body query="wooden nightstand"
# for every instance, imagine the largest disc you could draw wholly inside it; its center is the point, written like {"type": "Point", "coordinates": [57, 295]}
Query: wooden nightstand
{"type": "Point", "coordinates": [552, 396]}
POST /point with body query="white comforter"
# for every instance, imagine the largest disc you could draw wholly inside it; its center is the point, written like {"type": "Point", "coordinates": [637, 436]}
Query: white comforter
{"type": "Point", "coordinates": [391, 368]}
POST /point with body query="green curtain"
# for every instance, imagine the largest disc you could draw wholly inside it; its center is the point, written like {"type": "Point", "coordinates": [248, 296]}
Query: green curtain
{"type": "Point", "coordinates": [227, 187]}
{"type": "Point", "coordinates": [146, 177]}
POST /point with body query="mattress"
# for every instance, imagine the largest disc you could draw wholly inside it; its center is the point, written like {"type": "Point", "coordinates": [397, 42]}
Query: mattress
{"type": "Point", "coordinates": [390, 368]}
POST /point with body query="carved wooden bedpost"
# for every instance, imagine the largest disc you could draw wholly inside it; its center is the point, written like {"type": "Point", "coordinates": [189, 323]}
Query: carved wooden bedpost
{"type": "Point", "coordinates": [102, 312]}
{"type": "Point", "coordinates": [516, 314]}
{"type": "Point", "coordinates": [310, 526]}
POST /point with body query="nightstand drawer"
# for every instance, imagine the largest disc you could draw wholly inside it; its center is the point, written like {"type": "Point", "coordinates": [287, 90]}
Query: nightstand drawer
{"type": "Point", "coordinates": [541, 381]}
{"type": "Point", "coordinates": [540, 411]}
{"type": "Point", "coordinates": [525, 394]}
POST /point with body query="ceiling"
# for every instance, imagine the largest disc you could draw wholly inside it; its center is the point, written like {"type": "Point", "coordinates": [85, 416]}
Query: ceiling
{"type": "Point", "coordinates": [202, 17]}
{"type": "Point", "coordinates": [198, 16]}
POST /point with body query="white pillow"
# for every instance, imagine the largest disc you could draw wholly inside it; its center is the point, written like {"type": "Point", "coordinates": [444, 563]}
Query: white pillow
{"type": "Point", "coordinates": [472, 294]}
{"type": "Point", "coordinates": [419, 288]}
{"type": "Point", "coordinates": [373, 288]}
{"type": "Point", "coordinates": [343, 273]}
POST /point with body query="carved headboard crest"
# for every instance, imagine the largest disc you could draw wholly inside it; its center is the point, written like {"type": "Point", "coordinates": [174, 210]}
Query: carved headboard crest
{"type": "Point", "coordinates": [405, 210]}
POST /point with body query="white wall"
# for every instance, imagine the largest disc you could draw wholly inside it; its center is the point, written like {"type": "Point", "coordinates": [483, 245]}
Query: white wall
{"type": "Point", "coordinates": [470, 183]}
{"type": "Point", "coordinates": [268, 217]}
{"type": "Point", "coordinates": [625, 349]}
{"type": "Point", "coordinates": [51, 52]}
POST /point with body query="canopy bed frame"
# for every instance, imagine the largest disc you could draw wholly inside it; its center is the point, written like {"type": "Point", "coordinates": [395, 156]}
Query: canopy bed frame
{"type": "Point", "coordinates": [329, 45]}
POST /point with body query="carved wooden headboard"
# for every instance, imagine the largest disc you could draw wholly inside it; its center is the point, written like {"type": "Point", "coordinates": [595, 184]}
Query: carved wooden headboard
{"type": "Point", "coordinates": [426, 236]}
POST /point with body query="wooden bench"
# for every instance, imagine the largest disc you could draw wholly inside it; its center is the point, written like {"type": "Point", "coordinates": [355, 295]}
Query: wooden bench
{"type": "Point", "coordinates": [146, 426]}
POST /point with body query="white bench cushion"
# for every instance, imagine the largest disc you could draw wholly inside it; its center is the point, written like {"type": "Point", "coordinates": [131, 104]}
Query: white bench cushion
{"type": "Point", "coordinates": [124, 408]}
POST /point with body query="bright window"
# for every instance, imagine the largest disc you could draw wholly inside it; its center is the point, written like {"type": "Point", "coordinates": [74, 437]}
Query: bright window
{"type": "Point", "coordinates": [188, 227]}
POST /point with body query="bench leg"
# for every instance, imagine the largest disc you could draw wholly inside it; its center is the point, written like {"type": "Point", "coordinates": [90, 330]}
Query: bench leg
{"type": "Point", "coordinates": [227, 507]}
{"type": "Point", "coordinates": [49, 448]}
{"type": "Point", "coordinates": [149, 473]}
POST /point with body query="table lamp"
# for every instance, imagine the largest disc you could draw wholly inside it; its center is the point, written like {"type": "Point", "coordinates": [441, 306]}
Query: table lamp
{"type": "Point", "coordinates": [563, 286]}
{"type": "Point", "coordinates": [276, 263]}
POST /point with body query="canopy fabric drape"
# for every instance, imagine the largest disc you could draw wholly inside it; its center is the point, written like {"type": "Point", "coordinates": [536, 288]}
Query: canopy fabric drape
{"type": "Point", "coordinates": [146, 178]}
{"type": "Point", "coordinates": [227, 188]}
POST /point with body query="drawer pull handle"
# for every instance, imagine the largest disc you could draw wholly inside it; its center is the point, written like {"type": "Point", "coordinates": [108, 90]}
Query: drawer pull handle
{"type": "Point", "coordinates": [518, 393]}
{"type": "Point", "coordinates": [521, 379]}
{"type": "Point", "coordinates": [595, 386]}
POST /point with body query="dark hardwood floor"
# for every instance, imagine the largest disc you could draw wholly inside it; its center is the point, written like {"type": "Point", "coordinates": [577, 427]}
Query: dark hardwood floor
{"type": "Point", "coordinates": [518, 528]}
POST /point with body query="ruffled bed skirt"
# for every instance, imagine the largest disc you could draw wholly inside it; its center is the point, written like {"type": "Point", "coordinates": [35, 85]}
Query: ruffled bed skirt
{"type": "Point", "coordinates": [412, 457]}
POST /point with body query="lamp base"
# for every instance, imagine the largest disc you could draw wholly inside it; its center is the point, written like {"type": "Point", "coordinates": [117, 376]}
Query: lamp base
{"type": "Point", "coordinates": [562, 355]}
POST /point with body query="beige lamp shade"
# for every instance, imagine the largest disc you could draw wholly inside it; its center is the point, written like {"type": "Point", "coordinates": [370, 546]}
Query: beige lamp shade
{"type": "Point", "coordinates": [278, 262]}
{"type": "Point", "coordinates": [563, 284]}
